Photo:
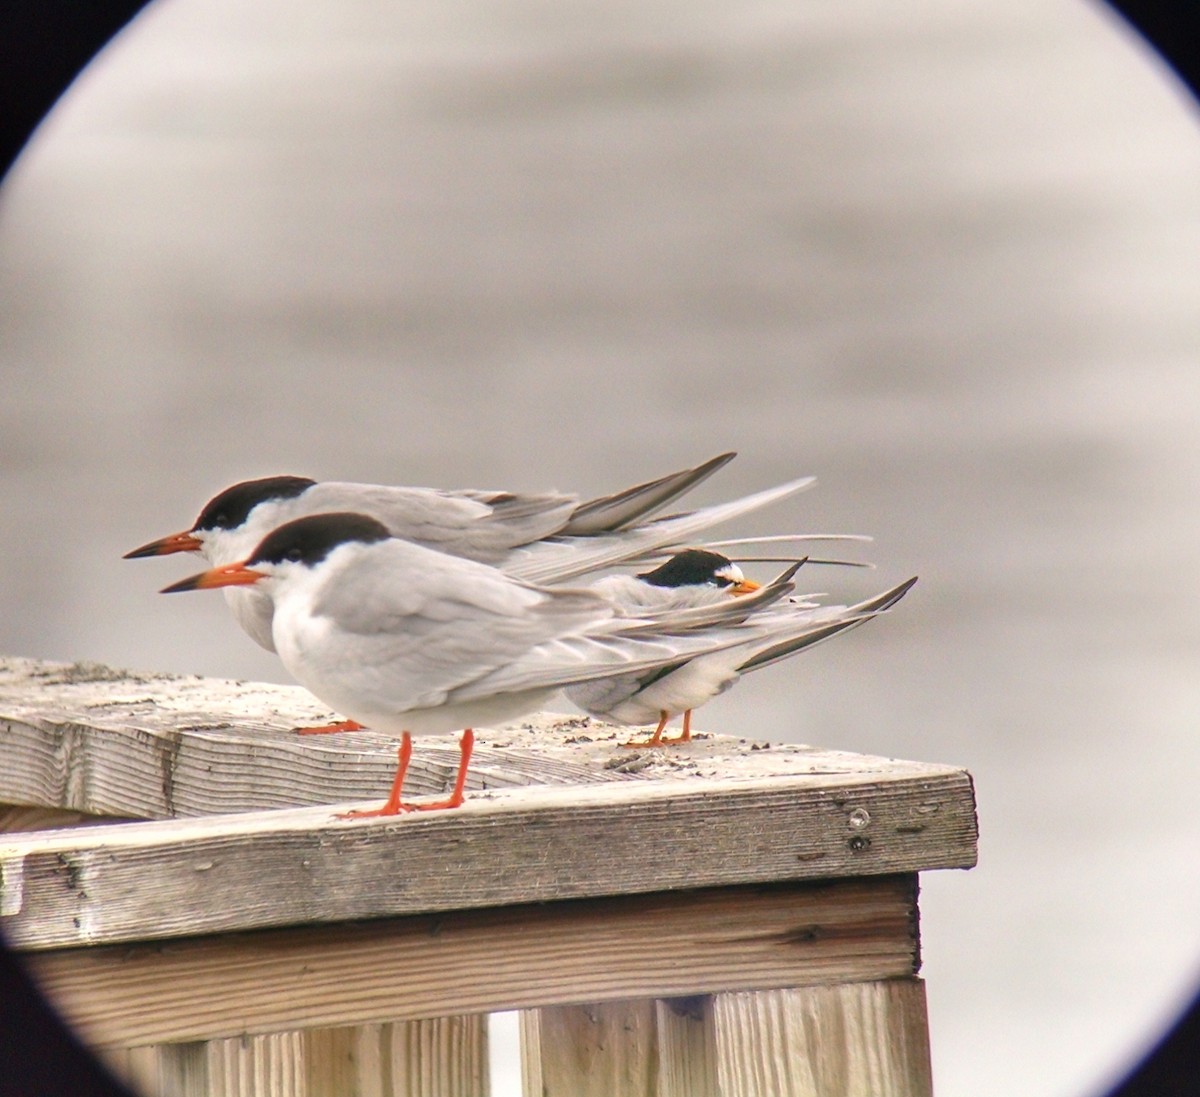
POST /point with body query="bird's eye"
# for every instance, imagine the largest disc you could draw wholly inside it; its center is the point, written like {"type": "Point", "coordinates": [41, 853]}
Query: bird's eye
{"type": "Point", "coordinates": [294, 554]}
{"type": "Point", "coordinates": [220, 519]}
{"type": "Point", "coordinates": [722, 580]}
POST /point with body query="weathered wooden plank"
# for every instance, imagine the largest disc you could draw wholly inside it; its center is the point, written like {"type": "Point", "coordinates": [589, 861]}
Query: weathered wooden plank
{"type": "Point", "coordinates": [434, 1057]}
{"type": "Point", "coordinates": [438, 1057]}
{"type": "Point", "coordinates": [602, 1049]}
{"type": "Point", "coordinates": [651, 946]}
{"type": "Point", "coordinates": [183, 1070]}
{"type": "Point", "coordinates": [248, 1066]}
{"type": "Point", "coordinates": [646, 1048]}
{"type": "Point", "coordinates": [531, 1053]}
{"type": "Point", "coordinates": [141, 881]}
{"type": "Point", "coordinates": [850, 1040]}
{"type": "Point", "coordinates": [686, 1054]}
{"type": "Point", "coordinates": [853, 1039]}
{"type": "Point", "coordinates": [88, 738]}
{"type": "Point", "coordinates": [256, 1066]}
{"type": "Point", "coordinates": [137, 1066]}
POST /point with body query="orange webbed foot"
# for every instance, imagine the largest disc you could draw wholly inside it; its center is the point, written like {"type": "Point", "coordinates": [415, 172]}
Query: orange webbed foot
{"type": "Point", "coordinates": [655, 740]}
{"type": "Point", "coordinates": [395, 805]}
{"type": "Point", "coordinates": [659, 740]}
{"type": "Point", "coordinates": [330, 729]}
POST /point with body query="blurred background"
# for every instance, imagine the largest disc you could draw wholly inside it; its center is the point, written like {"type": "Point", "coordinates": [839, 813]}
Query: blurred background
{"type": "Point", "coordinates": [942, 256]}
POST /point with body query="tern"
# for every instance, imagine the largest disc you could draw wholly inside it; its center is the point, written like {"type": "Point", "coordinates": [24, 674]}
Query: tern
{"type": "Point", "coordinates": [700, 577]}
{"type": "Point", "coordinates": [546, 538]}
{"type": "Point", "coordinates": [412, 641]}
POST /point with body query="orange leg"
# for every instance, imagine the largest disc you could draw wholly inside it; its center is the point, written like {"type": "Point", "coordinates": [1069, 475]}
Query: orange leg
{"type": "Point", "coordinates": [328, 729]}
{"type": "Point", "coordinates": [655, 740]}
{"type": "Point", "coordinates": [465, 745]}
{"type": "Point", "coordinates": [659, 740]}
{"type": "Point", "coordinates": [395, 805]}
{"type": "Point", "coordinates": [684, 736]}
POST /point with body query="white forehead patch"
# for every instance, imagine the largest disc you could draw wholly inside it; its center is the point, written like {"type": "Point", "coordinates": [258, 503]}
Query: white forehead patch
{"type": "Point", "coordinates": [731, 572]}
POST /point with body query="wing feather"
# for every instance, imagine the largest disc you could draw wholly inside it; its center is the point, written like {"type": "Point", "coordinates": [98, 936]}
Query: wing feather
{"type": "Point", "coordinates": [563, 558]}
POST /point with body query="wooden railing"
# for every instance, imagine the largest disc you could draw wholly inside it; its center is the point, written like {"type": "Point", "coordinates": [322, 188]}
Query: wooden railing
{"type": "Point", "coordinates": [733, 918]}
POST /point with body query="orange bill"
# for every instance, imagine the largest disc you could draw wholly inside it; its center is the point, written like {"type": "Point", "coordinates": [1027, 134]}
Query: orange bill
{"type": "Point", "coordinates": [164, 546]}
{"type": "Point", "coordinates": [231, 575]}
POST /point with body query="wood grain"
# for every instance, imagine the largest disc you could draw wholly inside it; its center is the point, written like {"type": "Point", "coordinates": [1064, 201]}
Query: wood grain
{"type": "Point", "coordinates": [88, 738]}
{"type": "Point", "coordinates": [250, 1066]}
{"type": "Point", "coordinates": [851, 1040]}
{"type": "Point", "coordinates": [256, 1066]}
{"type": "Point", "coordinates": [531, 1053]}
{"type": "Point", "coordinates": [652, 946]}
{"type": "Point", "coordinates": [602, 1049]}
{"type": "Point", "coordinates": [640, 1048]}
{"type": "Point", "coordinates": [855, 1039]}
{"type": "Point", "coordinates": [157, 880]}
{"type": "Point", "coordinates": [434, 1057]}
{"type": "Point", "coordinates": [92, 739]}
{"type": "Point", "coordinates": [686, 1053]}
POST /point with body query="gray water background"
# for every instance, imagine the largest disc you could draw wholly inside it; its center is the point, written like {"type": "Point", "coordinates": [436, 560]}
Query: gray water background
{"type": "Point", "coordinates": [941, 255]}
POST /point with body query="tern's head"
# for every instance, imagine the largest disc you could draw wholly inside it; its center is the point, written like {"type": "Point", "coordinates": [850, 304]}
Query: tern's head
{"type": "Point", "coordinates": [301, 543]}
{"type": "Point", "coordinates": [230, 511]}
{"type": "Point", "coordinates": [699, 567]}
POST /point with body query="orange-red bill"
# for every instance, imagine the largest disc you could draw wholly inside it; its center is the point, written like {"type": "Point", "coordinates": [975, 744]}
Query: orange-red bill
{"type": "Point", "coordinates": [164, 546]}
{"type": "Point", "coordinates": [231, 575]}
{"type": "Point", "coordinates": [746, 586]}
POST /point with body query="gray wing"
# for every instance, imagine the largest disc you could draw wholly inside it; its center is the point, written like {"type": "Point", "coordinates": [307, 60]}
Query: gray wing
{"type": "Point", "coordinates": [563, 558]}
{"type": "Point", "coordinates": [442, 622]}
{"type": "Point", "coordinates": [601, 695]}
{"type": "Point", "coordinates": [569, 659]}
{"type": "Point", "coordinates": [636, 646]}
{"type": "Point", "coordinates": [789, 629]}
{"type": "Point", "coordinates": [476, 525]}
{"type": "Point", "coordinates": [613, 512]}
{"type": "Point", "coordinates": [846, 618]}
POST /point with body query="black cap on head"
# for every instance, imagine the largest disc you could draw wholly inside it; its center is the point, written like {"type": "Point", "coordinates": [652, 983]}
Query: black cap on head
{"type": "Point", "coordinates": [689, 568]}
{"type": "Point", "coordinates": [232, 507]}
{"type": "Point", "coordinates": [310, 539]}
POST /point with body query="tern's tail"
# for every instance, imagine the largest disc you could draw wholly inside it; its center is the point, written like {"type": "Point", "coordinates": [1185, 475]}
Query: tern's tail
{"type": "Point", "coordinates": [565, 558]}
{"type": "Point", "coordinates": [610, 513]}
{"type": "Point", "coordinates": [846, 618]}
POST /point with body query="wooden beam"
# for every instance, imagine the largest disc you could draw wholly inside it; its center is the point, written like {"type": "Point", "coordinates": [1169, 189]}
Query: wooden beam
{"type": "Point", "coordinates": [850, 1040]}
{"type": "Point", "coordinates": [435, 1057]}
{"type": "Point", "coordinates": [651, 946]}
{"type": "Point", "coordinates": [88, 738]}
{"type": "Point", "coordinates": [686, 1053]}
{"type": "Point", "coordinates": [143, 881]}
{"type": "Point", "coordinates": [255, 1066]}
{"type": "Point", "coordinates": [602, 1049]}
{"type": "Point", "coordinates": [853, 1039]}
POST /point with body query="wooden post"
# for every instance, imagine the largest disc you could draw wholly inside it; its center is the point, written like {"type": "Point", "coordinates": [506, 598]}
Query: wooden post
{"type": "Point", "coordinates": [437, 1057]}
{"type": "Point", "coordinates": [686, 1052]}
{"type": "Point", "coordinates": [725, 920]}
{"type": "Point", "coordinates": [846, 1040]}
{"type": "Point", "coordinates": [255, 1066]}
{"type": "Point", "coordinates": [850, 1040]}
{"type": "Point", "coordinates": [607, 1049]}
